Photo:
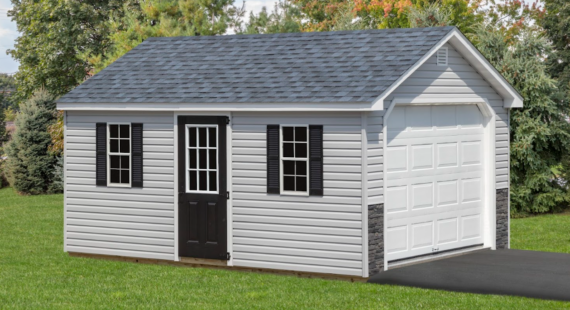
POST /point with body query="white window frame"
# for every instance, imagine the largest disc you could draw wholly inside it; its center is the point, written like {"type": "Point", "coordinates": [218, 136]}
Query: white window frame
{"type": "Point", "coordinates": [130, 154]}
{"type": "Point", "coordinates": [187, 155]}
{"type": "Point", "coordinates": [281, 159]}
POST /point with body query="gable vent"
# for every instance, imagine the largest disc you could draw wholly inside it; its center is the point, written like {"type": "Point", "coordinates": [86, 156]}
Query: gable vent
{"type": "Point", "coordinates": [442, 56]}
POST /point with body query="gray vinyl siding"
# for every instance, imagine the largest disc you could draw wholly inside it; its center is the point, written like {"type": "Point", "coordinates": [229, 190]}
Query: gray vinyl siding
{"type": "Point", "coordinates": [461, 79]}
{"type": "Point", "coordinates": [311, 234]}
{"type": "Point", "coordinates": [375, 160]}
{"type": "Point", "coordinates": [135, 222]}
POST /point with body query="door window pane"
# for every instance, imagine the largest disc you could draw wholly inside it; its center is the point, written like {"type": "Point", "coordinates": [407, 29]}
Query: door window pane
{"type": "Point", "coordinates": [193, 180]}
{"type": "Point", "coordinates": [202, 158]}
{"type": "Point", "coordinates": [202, 138]}
{"type": "Point", "coordinates": [203, 180]}
{"type": "Point", "coordinates": [212, 137]}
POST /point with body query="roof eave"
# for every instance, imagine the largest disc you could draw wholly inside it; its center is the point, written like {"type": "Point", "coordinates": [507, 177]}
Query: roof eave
{"type": "Point", "coordinates": [227, 107]}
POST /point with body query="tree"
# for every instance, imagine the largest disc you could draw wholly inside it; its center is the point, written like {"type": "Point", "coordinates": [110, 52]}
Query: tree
{"type": "Point", "coordinates": [463, 14]}
{"type": "Point", "coordinates": [285, 18]}
{"type": "Point", "coordinates": [320, 15]}
{"type": "Point", "coordinates": [540, 134]}
{"type": "Point", "coordinates": [29, 165]}
{"type": "Point", "coordinates": [346, 18]}
{"type": "Point", "coordinates": [162, 18]}
{"type": "Point", "coordinates": [556, 22]}
{"type": "Point", "coordinates": [7, 88]}
{"type": "Point", "coordinates": [2, 125]}
{"type": "Point", "coordinates": [52, 35]}
{"type": "Point", "coordinates": [429, 16]}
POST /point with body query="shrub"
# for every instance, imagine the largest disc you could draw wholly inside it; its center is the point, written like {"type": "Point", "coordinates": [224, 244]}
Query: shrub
{"type": "Point", "coordinates": [30, 165]}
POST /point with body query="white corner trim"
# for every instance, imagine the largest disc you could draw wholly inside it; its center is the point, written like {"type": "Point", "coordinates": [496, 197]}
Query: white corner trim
{"type": "Point", "coordinates": [511, 98]}
{"type": "Point", "coordinates": [364, 191]}
{"type": "Point", "coordinates": [176, 244]}
{"type": "Point", "coordinates": [230, 204]}
{"type": "Point", "coordinates": [65, 181]}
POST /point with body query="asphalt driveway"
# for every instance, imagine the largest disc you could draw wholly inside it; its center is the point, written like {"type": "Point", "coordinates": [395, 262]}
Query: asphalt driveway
{"type": "Point", "coordinates": [502, 272]}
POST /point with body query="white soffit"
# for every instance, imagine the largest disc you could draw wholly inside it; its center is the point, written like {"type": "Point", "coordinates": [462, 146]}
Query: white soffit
{"type": "Point", "coordinates": [511, 98]}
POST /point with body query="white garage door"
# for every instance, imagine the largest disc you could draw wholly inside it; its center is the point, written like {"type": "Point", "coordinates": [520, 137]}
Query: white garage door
{"type": "Point", "coordinates": [434, 179]}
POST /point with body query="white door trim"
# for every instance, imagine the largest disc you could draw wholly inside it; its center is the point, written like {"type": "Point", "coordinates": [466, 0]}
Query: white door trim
{"type": "Point", "coordinates": [489, 223]}
{"type": "Point", "coordinates": [228, 173]}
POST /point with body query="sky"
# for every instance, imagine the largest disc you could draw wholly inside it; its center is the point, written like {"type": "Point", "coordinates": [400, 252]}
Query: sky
{"type": "Point", "coordinates": [9, 32]}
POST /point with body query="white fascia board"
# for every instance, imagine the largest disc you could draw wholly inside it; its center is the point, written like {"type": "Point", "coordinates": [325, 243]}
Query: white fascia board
{"type": "Point", "coordinates": [511, 98]}
{"type": "Point", "coordinates": [221, 107]}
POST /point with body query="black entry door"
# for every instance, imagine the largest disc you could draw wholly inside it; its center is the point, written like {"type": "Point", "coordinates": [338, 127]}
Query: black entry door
{"type": "Point", "coordinates": [202, 192]}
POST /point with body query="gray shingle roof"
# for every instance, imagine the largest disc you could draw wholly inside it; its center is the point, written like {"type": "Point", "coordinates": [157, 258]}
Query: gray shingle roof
{"type": "Point", "coordinates": [344, 66]}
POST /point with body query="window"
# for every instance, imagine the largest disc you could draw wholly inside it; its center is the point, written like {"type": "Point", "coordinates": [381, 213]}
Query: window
{"type": "Point", "coordinates": [202, 158]}
{"type": "Point", "coordinates": [294, 159]}
{"type": "Point", "coordinates": [119, 154]}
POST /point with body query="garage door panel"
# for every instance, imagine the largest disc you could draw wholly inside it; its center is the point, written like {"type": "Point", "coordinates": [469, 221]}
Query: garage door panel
{"type": "Point", "coordinates": [439, 175]}
{"type": "Point", "coordinates": [422, 196]}
{"type": "Point", "coordinates": [469, 116]}
{"type": "Point", "coordinates": [447, 155]}
{"type": "Point", "coordinates": [434, 133]}
{"type": "Point", "coordinates": [471, 153]}
{"type": "Point", "coordinates": [448, 231]}
{"type": "Point", "coordinates": [397, 158]}
{"type": "Point", "coordinates": [421, 235]}
{"type": "Point", "coordinates": [471, 190]}
{"type": "Point", "coordinates": [433, 137]}
{"type": "Point", "coordinates": [444, 117]}
{"type": "Point", "coordinates": [419, 118]}
{"type": "Point", "coordinates": [422, 157]}
{"type": "Point", "coordinates": [397, 199]}
{"type": "Point", "coordinates": [421, 216]}
{"type": "Point", "coordinates": [397, 239]}
{"type": "Point", "coordinates": [471, 227]}
{"type": "Point", "coordinates": [434, 175]}
{"type": "Point", "coordinates": [447, 193]}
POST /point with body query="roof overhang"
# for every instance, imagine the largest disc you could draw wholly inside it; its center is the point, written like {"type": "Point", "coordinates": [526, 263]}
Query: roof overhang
{"type": "Point", "coordinates": [511, 98]}
{"type": "Point", "coordinates": [211, 107]}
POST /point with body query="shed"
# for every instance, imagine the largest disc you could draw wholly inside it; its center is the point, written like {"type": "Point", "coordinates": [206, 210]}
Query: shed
{"type": "Point", "coordinates": [336, 153]}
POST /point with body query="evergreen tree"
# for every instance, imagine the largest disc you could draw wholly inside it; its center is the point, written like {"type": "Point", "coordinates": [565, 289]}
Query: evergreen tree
{"type": "Point", "coordinates": [30, 166]}
{"type": "Point", "coordinates": [540, 134]}
{"type": "Point", "coordinates": [556, 22]}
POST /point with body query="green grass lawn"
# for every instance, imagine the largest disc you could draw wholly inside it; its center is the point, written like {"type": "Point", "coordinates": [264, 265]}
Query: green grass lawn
{"type": "Point", "coordinates": [35, 273]}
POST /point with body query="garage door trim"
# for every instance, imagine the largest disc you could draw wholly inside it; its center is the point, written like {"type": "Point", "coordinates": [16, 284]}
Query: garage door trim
{"type": "Point", "coordinates": [489, 225]}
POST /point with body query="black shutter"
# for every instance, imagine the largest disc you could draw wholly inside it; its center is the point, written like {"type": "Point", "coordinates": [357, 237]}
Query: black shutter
{"type": "Point", "coordinates": [316, 160]}
{"type": "Point", "coordinates": [137, 153]}
{"type": "Point", "coordinates": [273, 159]}
{"type": "Point", "coordinates": [101, 149]}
